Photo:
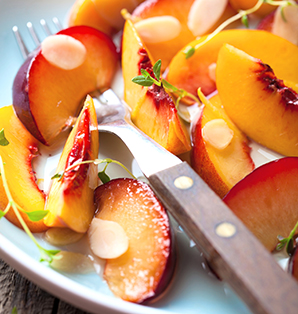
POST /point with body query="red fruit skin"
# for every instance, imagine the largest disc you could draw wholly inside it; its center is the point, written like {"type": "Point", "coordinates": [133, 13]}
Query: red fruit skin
{"type": "Point", "coordinates": [35, 88]}
{"type": "Point", "coordinates": [266, 200]}
{"type": "Point", "coordinates": [118, 189]}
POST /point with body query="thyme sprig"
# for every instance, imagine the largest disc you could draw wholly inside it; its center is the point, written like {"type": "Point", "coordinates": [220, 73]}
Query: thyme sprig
{"type": "Point", "coordinates": [146, 79]}
{"type": "Point", "coordinates": [102, 174]}
{"type": "Point", "coordinates": [288, 242]}
{"type": "Point", "coordinates": [241, 15]}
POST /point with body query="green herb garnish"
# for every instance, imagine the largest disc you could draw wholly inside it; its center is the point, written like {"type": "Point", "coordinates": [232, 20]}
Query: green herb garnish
{"type": "Point", "coordinates": [287, 242]}
{"type": "Point", "coordinates": [241, 15]}
{"type": "Point", "coordinates": [145, 79]}
{"type": "Point", "coordinates": [3, 139]}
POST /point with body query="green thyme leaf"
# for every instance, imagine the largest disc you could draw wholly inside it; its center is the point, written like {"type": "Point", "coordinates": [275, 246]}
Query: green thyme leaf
{"type": "Point", "coordinates": [37, 215]}
{"type": "Point", "coordinates": [156, 69]}
{"type": "Point", "coordinates": [103, 177]}
{"type": "Point", "coordinates": [169, 86]}
{"type": "Point", "coordinates": [1, 214]}
{"type": "Point", "coordinates": [143, 81]}
{"type": "Point", "coordinates": [3, 139]}
{"type": "Point", "coordinates": [244, 21]}
{"type": "Point", "coordinates": [189, 52]}
{"type": "Point", "coordinates": [58, 175]}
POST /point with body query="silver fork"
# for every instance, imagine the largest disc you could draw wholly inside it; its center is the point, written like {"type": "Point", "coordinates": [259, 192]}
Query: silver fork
{"type": "Point", "coordinates": [231, 250]}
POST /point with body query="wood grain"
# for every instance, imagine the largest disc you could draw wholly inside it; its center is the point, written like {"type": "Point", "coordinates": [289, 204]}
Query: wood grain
{"type": "Point", "coordinates": [17, 291]}
{"type": "Point", "coordinates": [240, 259]}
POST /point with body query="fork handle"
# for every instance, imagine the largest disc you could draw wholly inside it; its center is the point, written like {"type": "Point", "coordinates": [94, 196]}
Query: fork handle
{"type": "Point", "coordinates": [231, 249]}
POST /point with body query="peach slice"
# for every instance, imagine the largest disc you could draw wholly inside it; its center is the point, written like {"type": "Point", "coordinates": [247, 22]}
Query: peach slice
{"type": "Point", "coordinates": [179, 10]}
{"type": "Point", "coordinates": [103, 15]}
{"type": "Point", "coordinates": [262, 106]}
{"type": "Point", "coordinates": [46, 97]}
{"type": "Point", "coordinates": [153, 110]}
{"type": "Point", "coordinates": [192, 73]}
{"type": "Point", "coordinates": [266, 200]}
{"type": "Point", "coordinates": [17, 157]}
{"type": "Point", "coordinates": [144, 271]}
{"type": "Point", "coordinates": [220, 154]}
{"type": "Point", "coordinates": [248, 4]}
{"type": "Point", "coordinates": [70, 200]}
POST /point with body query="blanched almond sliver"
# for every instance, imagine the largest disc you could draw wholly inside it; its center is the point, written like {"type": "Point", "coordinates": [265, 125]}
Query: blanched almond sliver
{"type": "Point", "coordinates": [287, 28]}
{"type": "Point", "coordinates": [212, 71]}
{"type": "Point", "coordinates": [62, 236]}
{"type": "Point", "coordinates": [217, 133]}
{"type": "Point", "coordinates": [204, 14]}
{"type": "Point", "coordinates": [73, 263]}
{"type": "Point", "coordinates": [158, 29]}
{"type": "Point", "coordinates": [107, 238]}
{"type": "Point", "coordinates": [63, 51]}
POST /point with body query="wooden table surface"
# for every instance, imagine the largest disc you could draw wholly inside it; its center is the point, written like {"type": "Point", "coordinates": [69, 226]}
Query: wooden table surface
{"type": "Point", "coordinates": [17, 291]}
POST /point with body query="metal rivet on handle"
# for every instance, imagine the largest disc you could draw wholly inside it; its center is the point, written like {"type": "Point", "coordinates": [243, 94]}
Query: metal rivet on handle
{"type": "Point", "coordinates": [225, 229]}
{"type": "Point", "coordinates": [183, 182]}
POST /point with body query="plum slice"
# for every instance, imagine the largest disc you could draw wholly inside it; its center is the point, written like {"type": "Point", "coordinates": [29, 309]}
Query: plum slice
{"type": "Point", "coordinates": [46, 97]}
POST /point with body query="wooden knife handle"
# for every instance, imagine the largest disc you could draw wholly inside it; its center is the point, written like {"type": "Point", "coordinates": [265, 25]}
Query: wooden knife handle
{"type": "Point", "coordinates": [231, 249]}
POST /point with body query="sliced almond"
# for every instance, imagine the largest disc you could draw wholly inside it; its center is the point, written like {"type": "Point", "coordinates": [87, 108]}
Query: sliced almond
{"type": "Point", "coordinates": [286, 27]}
{"type": "Point", "coordinates": [62, 236]}
{"type": "Point", "coordinates": [107, 239]}
{"type": "Point", "coordinates": [217, 133]}
{"type": "Point", "coordinates": [158, 29]}
{"type": "Point", "coordinates": [72, 263]}
{"type": "Point", "coordinates": [204, 14]}
{"type": "Point", "coordinates": [212, 71]}
{"type": "Point", "coordinates": [64, 52]}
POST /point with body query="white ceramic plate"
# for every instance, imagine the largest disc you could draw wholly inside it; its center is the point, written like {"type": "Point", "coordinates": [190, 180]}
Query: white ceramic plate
{"type": "Point", "coordinates": [193, 289]}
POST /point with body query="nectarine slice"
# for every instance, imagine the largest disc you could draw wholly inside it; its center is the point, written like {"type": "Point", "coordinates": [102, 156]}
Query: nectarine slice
{"type": "Point", "coordinates": [17, 157]}
{"type": "Point", "coordinates": [178, 10]}
{"type": "Point", "coordinates": [219, 166]}
{"type": "Point", "coordinates": [46, 97]}
{"type": "Point", "coordinates": [153, 110]}
{"type": "Point", "coordinates": [70, 200]}
{"type": "Point", "coordinates": [144, 271]}
{"type": "Point", "coordinates": [266, 200]}
{"type": "Point", "coordinates": [262, 106]}
{"type": "Point", "coordinates": [192, 73]}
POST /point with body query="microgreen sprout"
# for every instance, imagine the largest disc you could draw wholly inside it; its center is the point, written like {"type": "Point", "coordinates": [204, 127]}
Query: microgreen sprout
{"type": "Point", "coordinates": [102, 174]}
{"type": "Point", "coordinates": [288, 242]}
{"type": "Point", "coordinates": [46, 255]}
{"type": "Point", "coordinates": [241, 15]}
{"type": "Point", "coordinates": [146, 79]}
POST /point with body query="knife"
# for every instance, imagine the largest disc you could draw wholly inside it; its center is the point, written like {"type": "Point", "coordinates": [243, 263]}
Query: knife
{"type": "Point", "coordinates": [232, 251]}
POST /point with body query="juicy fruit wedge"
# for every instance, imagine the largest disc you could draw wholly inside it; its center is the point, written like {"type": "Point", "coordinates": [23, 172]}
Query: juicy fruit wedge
{"type": "Point", "coordinates": [220, 168]}
{"type": "Point", "coordinates": [192, 73]}
{"type": "Point", "coordinates": [173, 41]}
{"type": "Point", "coordinates": [46, 97]}
{"type": "Point", "coordinates": [266, 200]}
{"type": "Point", "coordinates": [248, 4]}
{"type": "Point", "coordinates": [17, 157]}
{"type": "Point", "coordinates": [153, 110]}
{"type": "Point", "coordinates": [146, 268]}
{"type": "Point", "coordinates": [70, 200]}
{"type": "Point", "coordinates": [262, 106]}
{"type": "Point", "coordinates": [103, 15]}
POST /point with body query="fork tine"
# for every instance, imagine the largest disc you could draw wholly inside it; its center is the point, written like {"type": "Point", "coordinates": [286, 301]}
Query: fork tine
{"type": "Point", "coordinates": [57, 23]}
{"type": "Point", "coordinates": [33, 33]}
{"type": "Point", "coordinates": [20, 42]}
{"type": "Point", "coordinates": [45, 27]}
